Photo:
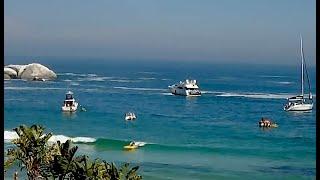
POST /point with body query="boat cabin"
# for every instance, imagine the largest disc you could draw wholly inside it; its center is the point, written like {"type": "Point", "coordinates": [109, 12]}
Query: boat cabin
{"type": "Point", "coordinates": [69, 95]}
{"type": "Point", "coordinates": [69, 101]}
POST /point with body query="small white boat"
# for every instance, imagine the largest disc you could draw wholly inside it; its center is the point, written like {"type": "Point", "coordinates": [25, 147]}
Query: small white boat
{"type": "Point", "coordinates": [69, 104]}
{"type": "Point", "coordinates": [300, 103]}
{"type": "Point", "coordinates": [186, 88]}
{"type": "Point", "coordinates": [130, 116]}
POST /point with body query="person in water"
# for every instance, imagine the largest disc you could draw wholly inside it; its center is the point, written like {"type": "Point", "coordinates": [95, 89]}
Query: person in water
{"type": "Point", "coordinates": [132, 143]}
{"type": "Point", "coordinates": [82, 108]}
{"type": "Point", "coordinates": [264, 123]}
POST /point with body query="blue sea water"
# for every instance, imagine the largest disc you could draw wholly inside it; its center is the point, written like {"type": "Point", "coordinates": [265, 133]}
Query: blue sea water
{"type": "Point", "coordinates": [214, 136]}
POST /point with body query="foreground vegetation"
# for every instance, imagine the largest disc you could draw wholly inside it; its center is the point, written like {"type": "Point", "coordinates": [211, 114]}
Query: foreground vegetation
{"type": "Point", "coordinates": [42, 160]}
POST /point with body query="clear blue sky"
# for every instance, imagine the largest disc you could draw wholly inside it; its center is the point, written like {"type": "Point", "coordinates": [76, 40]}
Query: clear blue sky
{"type": "Point", "coordinates": [254, 31]}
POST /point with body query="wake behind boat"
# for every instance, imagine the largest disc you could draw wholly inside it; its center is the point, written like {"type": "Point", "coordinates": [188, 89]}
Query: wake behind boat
{"type": "Point", "coordinates": [186, 88]}
{"type": "Point", "coordinates": [69, 104]}
{"type": "Point", "coordinates": [300, 103]}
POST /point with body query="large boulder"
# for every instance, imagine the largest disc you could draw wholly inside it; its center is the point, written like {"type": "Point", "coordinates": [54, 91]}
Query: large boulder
{"type": "Point", "coordinates": [14, 67]}
{"type": "Point", "coordinates": [35, 70]}
{"type": "Point", "coordinates": [21, 69]}
{"type": "Point", "coordinates": [10, 72]}
{"type": "Point", "coordinates": [18, 68]}
{"type": "Point", "coordinates": [6, 77]}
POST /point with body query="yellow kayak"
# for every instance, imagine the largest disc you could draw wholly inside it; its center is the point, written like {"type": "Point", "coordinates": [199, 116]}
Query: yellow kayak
{"type": "Point", "coordinates": [130, 147]}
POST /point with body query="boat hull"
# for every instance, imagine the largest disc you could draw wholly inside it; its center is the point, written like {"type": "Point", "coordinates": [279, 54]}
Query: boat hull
{"type": "Point", "coordinates": [183, 92]}
{"type": "Point", "coordinates": [70, 108]}
{"type": "Point", "coordinates": [129, 118]}
{"type": "Point", "coordinates": [299, 107]}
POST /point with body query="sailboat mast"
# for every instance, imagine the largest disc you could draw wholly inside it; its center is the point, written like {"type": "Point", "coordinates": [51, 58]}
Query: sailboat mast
{"type": "Point", "coordinates": [302, 66]}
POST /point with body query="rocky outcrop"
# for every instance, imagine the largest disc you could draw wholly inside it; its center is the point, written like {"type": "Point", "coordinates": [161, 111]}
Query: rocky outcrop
{"type": "Point", "coordinates": [11, 73]}
{"type": "Point", "coordinates": [15, 67]}
{"type": "Point", "coordinates": [29, 72]}
{"type": "Point", "coordinates": [7, 77]}
{"type": "Point", "coordinates": [35, 70]}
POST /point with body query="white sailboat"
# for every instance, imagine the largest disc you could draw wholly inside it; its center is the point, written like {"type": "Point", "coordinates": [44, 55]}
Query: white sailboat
{"type": "Point", "coordinates": [300, 102]}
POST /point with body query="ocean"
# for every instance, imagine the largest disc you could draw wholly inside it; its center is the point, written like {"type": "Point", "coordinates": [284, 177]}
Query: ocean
{"type": "Point", "coordinates": [214, 136]}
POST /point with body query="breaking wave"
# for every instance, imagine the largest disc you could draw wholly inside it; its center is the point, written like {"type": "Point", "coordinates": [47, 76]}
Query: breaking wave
{"type": "Point", "coordinates": [10, 135]}
{"type": "Point", "coordinates": [114, 144]}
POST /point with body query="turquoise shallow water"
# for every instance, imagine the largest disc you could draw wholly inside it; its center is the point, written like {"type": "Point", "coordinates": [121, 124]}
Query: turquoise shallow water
{"type": "Point", "coordinates": [214, 136]}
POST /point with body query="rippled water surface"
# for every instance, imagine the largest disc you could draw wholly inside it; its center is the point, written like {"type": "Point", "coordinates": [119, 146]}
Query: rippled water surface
{"type": "Point", "coordinates": [214, 136]}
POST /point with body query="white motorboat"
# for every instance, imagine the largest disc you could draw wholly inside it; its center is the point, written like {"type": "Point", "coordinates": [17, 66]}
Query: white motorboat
{"type": "Point", "coordinates": [186, 88]}
{"type": "Point", "coordinates": [69, 104]}
{"type": "Point", "coordinates": [130, 116]}
{"type": "Point", "coordinates": [301, 103]}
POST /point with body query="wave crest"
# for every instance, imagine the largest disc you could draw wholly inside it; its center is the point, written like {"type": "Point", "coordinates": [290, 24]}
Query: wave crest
{"type": "Point", "coordinates": [11, 135]}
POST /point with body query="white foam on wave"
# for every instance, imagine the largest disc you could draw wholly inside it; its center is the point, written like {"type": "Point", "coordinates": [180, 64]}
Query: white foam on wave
{"type": "Point", "coordinates": [63, 138]}
{"type": "Point", "coordinates": [67, 80]}
{"type": "Point", "coordinates": [140, 143]}
{"type": "Point", "coordinates": [74, 84]}
{"type": "Point", "coordinates": [139, 89]}
{"type": "Point", "coordinates": [32, 88]}
{"type": "Point", "coordinates": [147, 78]}
{"type": "Point", "coordinates": [272, 76]}
{"type": "Point", "coordinates": [94, 78]}
{"type": "Point", "coordinates": [72, 74]}
{"type": "Point", "coordinates": [123, 80]}
{"type": "Point", "coordinates": [282, 82]}
{"type": "Point", "coordinates": [167, 94]}
{"type": "Point", "coordinates": [257, 95]}
{"type": "Point", "coordinates": [212, 92]}
{"type": "Point", "coordinates": [10, 135]}
{"type": "Point", "coordinates": [91, 90]}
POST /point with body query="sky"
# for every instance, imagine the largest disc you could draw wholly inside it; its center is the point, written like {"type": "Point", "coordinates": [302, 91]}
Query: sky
{"type": "Point", "coordinates": [248, 31]}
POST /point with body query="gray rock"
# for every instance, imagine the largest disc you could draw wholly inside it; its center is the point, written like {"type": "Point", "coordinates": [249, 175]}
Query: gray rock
{"type": "Point", "coordinates": [7, 77]}
{"type": "Point", "coordinates": [10, 72]}
{"type": "Point", "coordinates": [35, 70]}
{"type": "Point", "coordinates": [14, 67]}
{"type": "Point", "coordinates": [21, 69]}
